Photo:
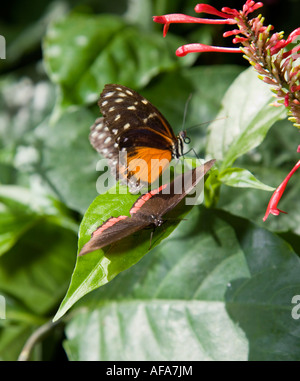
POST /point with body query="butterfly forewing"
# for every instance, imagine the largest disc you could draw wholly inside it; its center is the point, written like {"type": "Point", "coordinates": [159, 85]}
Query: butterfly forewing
{"type": "Point", "coordinates": [139, 130]}
{"type": "Point", "coordinates": [113, 229]}
{"type": "Point", "coordinates": [125, 109]}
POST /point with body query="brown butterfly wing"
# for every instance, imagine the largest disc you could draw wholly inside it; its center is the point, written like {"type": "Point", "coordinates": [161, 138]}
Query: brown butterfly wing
{"type": "Point", "coordinates": [112, 230]}
{"type": "Point", "coordinates": [160, 201]}
{"type": "Point", "coordinates": [133, 120]}
{"type": "Point", "coordinates": [138, 129]}
{"type": "Point", "coordinates": [102, 140]}
{"type": "Point", "coordinates": [147, 209]}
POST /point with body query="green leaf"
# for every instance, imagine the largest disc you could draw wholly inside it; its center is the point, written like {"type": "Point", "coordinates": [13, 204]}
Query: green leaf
{"type": "Point", "coordinates": [175, 330]}
{"type": "Point", "coordinates": [132, 58]}
{"type": "Point", "coordinates": [101, 266]}
{"type": "Point", "coordinates": [266, 317]}
{"type": "Point", "coordinates": [241, 178]}
{"type": "Point", "coordinates": [247, 117]}
{"type": "Point", "coordinates": [203, 294]}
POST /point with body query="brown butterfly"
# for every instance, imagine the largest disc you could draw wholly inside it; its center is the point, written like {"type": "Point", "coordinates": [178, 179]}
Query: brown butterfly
{"type": "Point", "coordinates": [148, 210]}
{"type": "Point", "coordinates": [131, 134]}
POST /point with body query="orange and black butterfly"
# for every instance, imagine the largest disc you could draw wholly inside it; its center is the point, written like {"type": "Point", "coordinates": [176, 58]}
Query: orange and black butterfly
{"type": "Point", "coordinates": [134, 136]}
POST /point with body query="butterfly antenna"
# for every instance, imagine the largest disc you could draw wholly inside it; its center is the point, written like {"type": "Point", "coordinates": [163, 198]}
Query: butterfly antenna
{"type": "Point", "coordinates": [209, 121]}
{"type": "Point", "coordinates": [197, 125]}
{"type": "Point", "coordinates": [185, 109]}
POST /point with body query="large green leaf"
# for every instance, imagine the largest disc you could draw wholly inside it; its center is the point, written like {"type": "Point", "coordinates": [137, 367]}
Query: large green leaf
{"type": "Point", "coordinates": [101, 266]}
{"type": "Point", "coordinates": [246, 117]}
{"type": "Point", "coordinates": [83, 52]}
{"type": "Point", "coordinates": [203, 294]}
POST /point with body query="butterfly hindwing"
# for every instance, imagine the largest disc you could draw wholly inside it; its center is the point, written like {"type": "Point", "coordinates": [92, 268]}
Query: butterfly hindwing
{"type": "Point", "coordinates": [102, 140]}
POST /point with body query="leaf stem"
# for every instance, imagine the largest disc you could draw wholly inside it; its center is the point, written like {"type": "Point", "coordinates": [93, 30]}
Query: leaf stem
{"type": "Point", "coordinates": [37, 336]}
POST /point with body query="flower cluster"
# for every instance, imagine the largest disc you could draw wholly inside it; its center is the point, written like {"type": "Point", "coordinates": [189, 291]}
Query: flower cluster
{"type": "Point", "coordinates": [269, 53]}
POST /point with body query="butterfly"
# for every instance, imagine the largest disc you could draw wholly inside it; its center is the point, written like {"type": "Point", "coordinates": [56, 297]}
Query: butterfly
{"type": "Point", "coordinates": [147, 211]}
{"type": "Point", "coordinates": [134, 137]}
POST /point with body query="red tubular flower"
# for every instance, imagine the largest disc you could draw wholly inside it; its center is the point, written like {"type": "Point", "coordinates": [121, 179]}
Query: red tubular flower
{"type": "Point", "coordinates": [180, 18]}
{"type": "Point", "coordinates": [229, 16]}
{"type": "Point", "coordinates": [283, 43]}
{"type": "Point", "coordinates": [272, 206]}
{"type": "Point", "coordinates": [196, 48]}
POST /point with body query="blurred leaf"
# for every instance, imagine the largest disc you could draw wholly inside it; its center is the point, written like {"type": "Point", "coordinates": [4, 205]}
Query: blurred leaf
{"type": "Point", "coordinates": [209, 86]}
{"type": "Point", "coordinates": [105, 50]}
{"type": "Point", "coordinates": [140, 13]}
{"type": "Point", "coordinates": [21, 209]}
{"type": "Point", "coordinates": [36, 270]}
{"type": "Point", "coordinates": [15, 328]}
{"type": "Point", "coordinates": [28, 39]}
{"type": "Point", "coordinates": [266, 317]}
{"type": "Point", "coordinates": [132, 58]}
{"type": "Point", "coordinates": [210, 282]}
{"type": "Point", "coordinates": [68, 162]}
{"type": "Point", "coordinates": [101, 266]}
{"type": "Point", "coordinates": [76, 39]}
{"type": "Point", "coordinates": [37, 235]}
{"type": "Point", "coordinates": [248, 117]}
{"type": "Point", "coordinates": [241, 178]}
{"type": "Point", "coordinates": [13, 337]}
{"type": "Point", "coordinates": [24, 104]}
{"type": "Point", "coordinates": [15, 219]}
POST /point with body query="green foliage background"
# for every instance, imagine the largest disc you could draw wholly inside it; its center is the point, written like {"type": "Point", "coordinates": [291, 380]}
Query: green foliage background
{"type": "Point", "coordinates": [220, 286]}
